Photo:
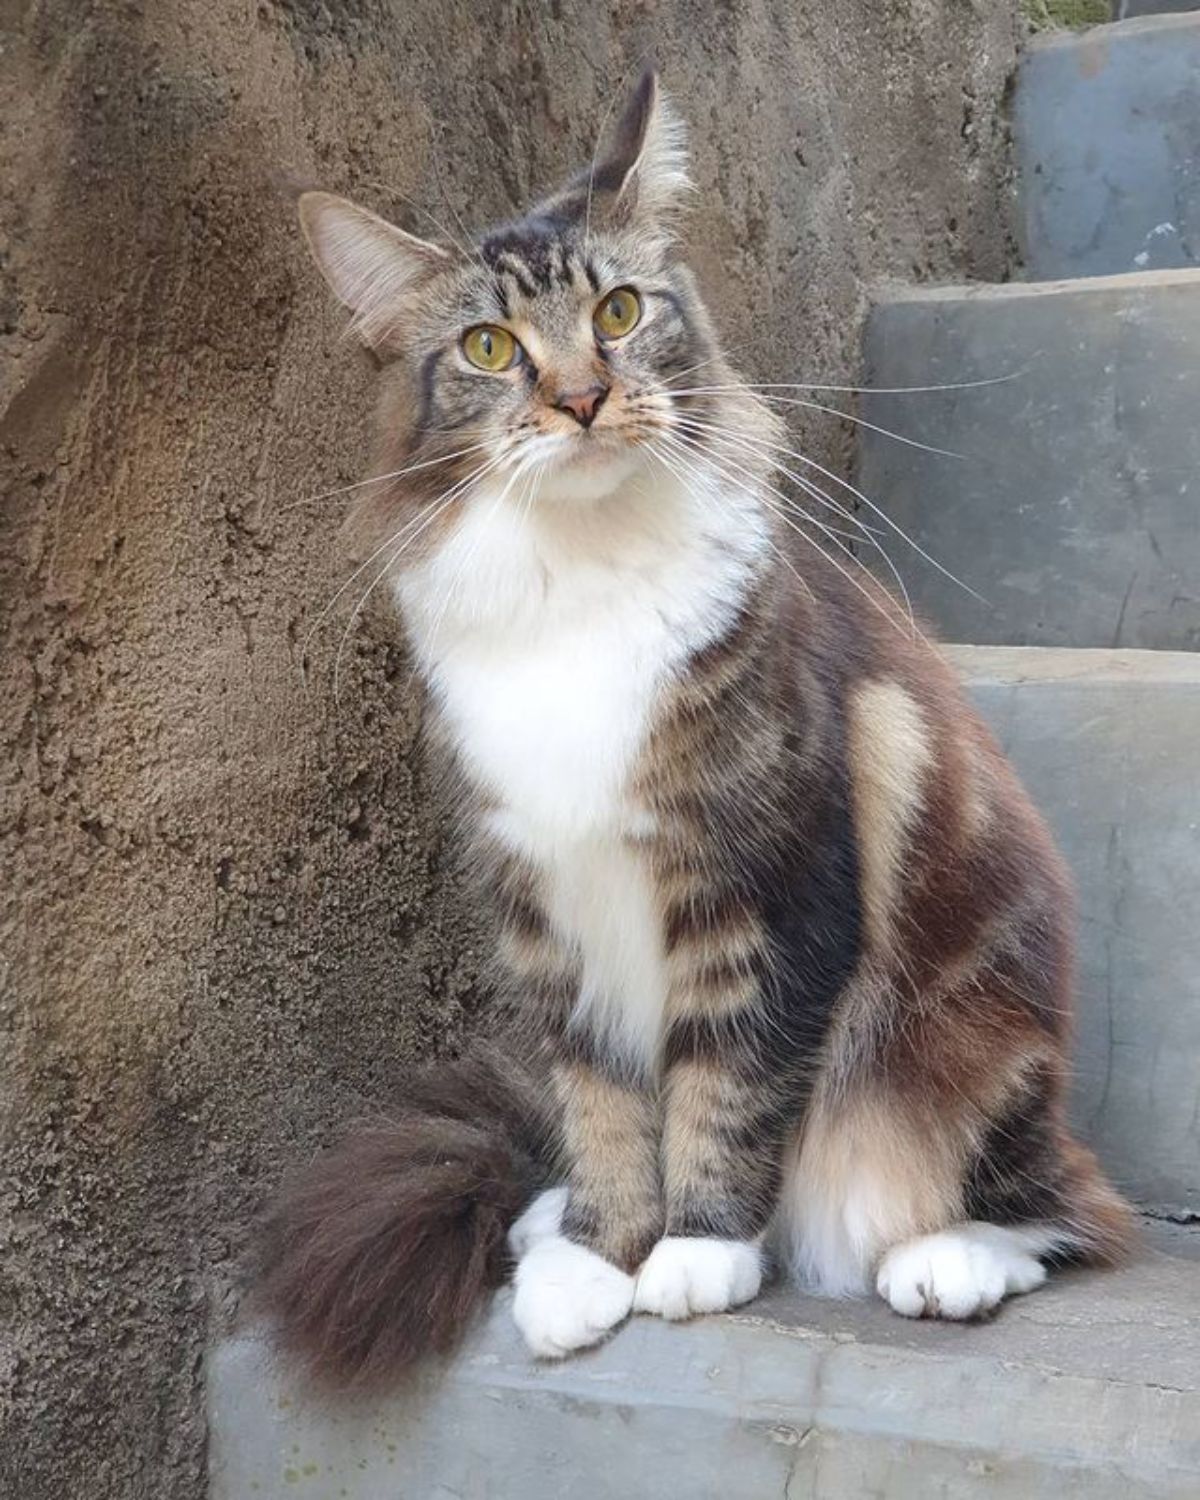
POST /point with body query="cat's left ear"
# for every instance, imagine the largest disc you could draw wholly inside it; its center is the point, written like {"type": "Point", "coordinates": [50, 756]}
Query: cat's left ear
{"type": "Point", "coordinates": [371, 266]}
{"type": "Point", "coordinates": [643, 174]}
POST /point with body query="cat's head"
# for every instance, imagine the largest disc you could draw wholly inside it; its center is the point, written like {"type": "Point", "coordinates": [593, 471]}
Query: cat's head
{"type": "Point", "coordinates": [562, 344]}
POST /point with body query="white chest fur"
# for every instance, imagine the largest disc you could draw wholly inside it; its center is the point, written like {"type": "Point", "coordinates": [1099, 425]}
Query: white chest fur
{"type": "Point", "coordinates": [549, 639]}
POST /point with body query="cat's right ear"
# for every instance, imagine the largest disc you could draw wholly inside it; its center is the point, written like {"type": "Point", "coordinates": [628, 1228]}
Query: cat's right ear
{"type": "Point", "coordinates": [371, 266]}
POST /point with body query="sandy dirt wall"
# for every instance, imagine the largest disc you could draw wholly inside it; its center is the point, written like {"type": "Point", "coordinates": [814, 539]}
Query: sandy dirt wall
{"type": "Point", "coordinates": [227, 917]}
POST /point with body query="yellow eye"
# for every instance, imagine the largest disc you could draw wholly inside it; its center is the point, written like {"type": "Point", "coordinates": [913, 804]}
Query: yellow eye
{"type": "Point", "coordinates": [491, 348]}
{"type": "Point", "coordinates": [618, 314]}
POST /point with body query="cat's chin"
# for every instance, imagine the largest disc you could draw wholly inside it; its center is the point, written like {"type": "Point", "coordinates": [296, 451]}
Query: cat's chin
{"type": "Point", "coordinates": [588, 471]}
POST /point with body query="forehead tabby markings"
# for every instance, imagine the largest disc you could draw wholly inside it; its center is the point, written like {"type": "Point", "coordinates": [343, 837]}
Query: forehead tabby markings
{"type": "Point", "coordinates": [528, 253]}
{"type": "Point", "coordinates": [538, 256]}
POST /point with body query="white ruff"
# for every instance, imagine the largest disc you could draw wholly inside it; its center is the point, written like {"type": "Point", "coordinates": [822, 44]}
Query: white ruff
{"type": "Point", "coordinates": [548, 633]}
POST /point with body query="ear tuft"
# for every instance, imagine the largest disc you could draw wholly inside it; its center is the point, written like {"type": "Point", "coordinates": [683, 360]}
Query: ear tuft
{"type": "Point", "coordinates": [648, 161]}
{"type": "Point", "coordinates": [370, 265]}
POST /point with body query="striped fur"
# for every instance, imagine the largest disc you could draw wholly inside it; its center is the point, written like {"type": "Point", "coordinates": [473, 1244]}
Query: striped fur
{"type": "Point", "coordinates": [792, 944]}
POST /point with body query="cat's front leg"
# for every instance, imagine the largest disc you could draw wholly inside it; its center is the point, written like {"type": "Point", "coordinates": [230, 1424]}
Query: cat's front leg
{"type": "Point", "coordinates": [577, 1246]}
{"type": "Point", "coordinates": [720, 1163]}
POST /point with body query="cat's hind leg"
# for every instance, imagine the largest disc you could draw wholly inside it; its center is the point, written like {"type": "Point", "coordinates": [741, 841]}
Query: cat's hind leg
{"type": "Point", "coordinates": [944, 1211]}
{"type": "Point", "coordinates": [964, 1271]}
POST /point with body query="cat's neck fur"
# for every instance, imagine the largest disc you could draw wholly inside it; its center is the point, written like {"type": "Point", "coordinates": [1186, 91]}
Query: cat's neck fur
{"type": "Point", "coordinates": [548, 636]}
{"type": "Point", "coordinates": [546, 632]}
{"type": "Point", "coordinates": [515, 567]}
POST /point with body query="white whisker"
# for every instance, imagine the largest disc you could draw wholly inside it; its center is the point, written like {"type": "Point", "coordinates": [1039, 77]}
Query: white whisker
{"type": "Point", "coordinates": [681, 476]}
{"type": "Point", "coordinates": [359, 484]}
{"type": "Point", "coordinates": [389, 563]}
{"type": "Point", "coordinates": [877, 510]}
{"type": "Point", "coordinates": [467, 250]}
{"type": "Point", "coordinates": [702, 364]}
{"type": "Point", "coordinates": [747, 445]}
{"type": "Point", "coordinates": [833, 411]}
{"type": "Point", "coordinates": [439, 502]}
{"type": "Point", "coordinates": [369, 590]}
{"type": "Point", "coordinates": [464, 562]}
{"type": "Point", "coordinates": [872, 390]}
{"type": "Point", "coordinates": [770, 449]}
{"type": "Point", "coordinates": [758, 490]}
{"type": "Point", "coordinates": [587, 208]}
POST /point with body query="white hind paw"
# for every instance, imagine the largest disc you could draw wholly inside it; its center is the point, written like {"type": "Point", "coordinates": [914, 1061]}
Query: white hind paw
{"type": "Point", "coordinates": [960, 1273]}
{"type": "Point", "coordinates": [568, 1297]}
{"type": "Point", "coordinates": [682, 1277]}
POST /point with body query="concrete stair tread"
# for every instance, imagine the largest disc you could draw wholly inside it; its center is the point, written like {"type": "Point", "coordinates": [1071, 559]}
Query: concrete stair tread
{"type": "Point", "coordinates": [1078, 1324]}
{"type": "Point", "coordinates": [1155, 16]}
{"type": "Point", "coordinates": [1105, 741]}
{"type": "Point", "coordinates": [1105, 127]}
{"type": "Point", "coordinates": [1088, 1388]}
{"type": "Point", "coordinates": [1072, 508]}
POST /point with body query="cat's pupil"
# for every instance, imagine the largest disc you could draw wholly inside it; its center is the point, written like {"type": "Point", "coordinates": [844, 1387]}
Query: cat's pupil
{"type": "Point", "coordinates": [485, 340]}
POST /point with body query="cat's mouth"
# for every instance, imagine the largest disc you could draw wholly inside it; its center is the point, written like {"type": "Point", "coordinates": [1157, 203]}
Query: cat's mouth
{"type": "Point", "coordinates": [590, 448]}
{"type": "Point", "coordinates": [587, 449]}
{"type": "Point", "coordinates": [589, 465]}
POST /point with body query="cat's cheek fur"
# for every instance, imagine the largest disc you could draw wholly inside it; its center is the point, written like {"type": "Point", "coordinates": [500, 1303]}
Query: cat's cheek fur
{"type": "Point", "coordinates": [962, 1272]}
{"type": "Point", "coordinates": [568, 1297]}
{"type": "Point", "coordinates": [686, 1276]}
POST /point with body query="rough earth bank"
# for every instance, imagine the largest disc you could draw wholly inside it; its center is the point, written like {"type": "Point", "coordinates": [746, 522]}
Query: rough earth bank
{"type": "Point", "coordinates": [228, 917]}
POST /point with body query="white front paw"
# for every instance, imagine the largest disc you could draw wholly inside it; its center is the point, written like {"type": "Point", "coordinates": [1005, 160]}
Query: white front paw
{"type": "Point", "coordinates": [568, 1297]}
{"type": "Point", "coordinates": [686, 1276]}
{"type": "Point", "coordinates": [542, 1220]}
{"type": "Point", "coordinates": [960, 1273]}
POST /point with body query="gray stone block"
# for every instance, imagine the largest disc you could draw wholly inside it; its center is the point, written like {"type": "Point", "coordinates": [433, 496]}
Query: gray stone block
{"type": "Point", "coordinates": [1074, 509]}
{"type": "Point", "coordinates": [1086, 1390]}
{"type": "Point", "coordinates": [1107, 126]}
{"type": "Point", "coordinates": [1108, 743]}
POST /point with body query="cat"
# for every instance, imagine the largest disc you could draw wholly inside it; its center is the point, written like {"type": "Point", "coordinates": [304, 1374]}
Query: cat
{"type": "Point", "coordinates": [788, 949]}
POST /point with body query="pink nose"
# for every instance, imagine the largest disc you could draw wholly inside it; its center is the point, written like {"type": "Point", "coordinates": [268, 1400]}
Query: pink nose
{"type": "Point", "coordinates": [583, 405]}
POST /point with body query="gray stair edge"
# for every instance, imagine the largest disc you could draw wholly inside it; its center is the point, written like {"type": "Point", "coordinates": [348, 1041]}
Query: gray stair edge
{"type": "Point", "coordinates": [1014, 665]}
{"type": "Point", "coordinates": [1080, 286]}
{"type": "Point", "coordinates": [1152, 8]}
{"type": "Point", "coordinates": [1106, 31]}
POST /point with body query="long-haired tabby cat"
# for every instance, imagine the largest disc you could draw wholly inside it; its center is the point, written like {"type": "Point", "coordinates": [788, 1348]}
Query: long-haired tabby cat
{"type": "Point", "coordinates": [789, 949]}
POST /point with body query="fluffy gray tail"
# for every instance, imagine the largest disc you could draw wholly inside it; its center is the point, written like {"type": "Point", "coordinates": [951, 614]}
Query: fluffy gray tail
{"type": "Point", "coordinates": [385, 1247]}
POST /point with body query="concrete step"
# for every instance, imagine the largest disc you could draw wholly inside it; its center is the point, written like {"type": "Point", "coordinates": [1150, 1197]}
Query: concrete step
{"type": "Point", "coordinates": [1106, 742]}
{"type": "Point", "coordinates": [1088, 1389]}
{"type": "Point", "coordinates": [1075, 507]}
{"type": "Point", "coordinates": [1107, 125]}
